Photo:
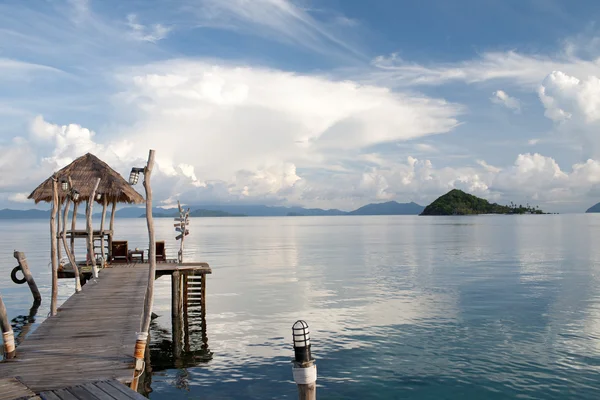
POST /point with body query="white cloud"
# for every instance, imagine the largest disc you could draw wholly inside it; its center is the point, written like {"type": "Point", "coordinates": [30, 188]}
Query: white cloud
{"type": "Point", "coordinates": [426, 148]}
{"type": "Point", "coordinates": [279, 20]}
{"type": "Point", "coordinates": [512, 67]}
{"type": "Point", "coordinates": [19, 197]}
{"type": "Point", "coordinates": [574, 105]}
{"type": "Point", "coordinates": [145, 33]}
{"type": "Point", "coordinates": [564, 96]}
{"type": "Point", "coordinates": [258, 118]}
{"type": "Point", "coordinates": [502, 98]}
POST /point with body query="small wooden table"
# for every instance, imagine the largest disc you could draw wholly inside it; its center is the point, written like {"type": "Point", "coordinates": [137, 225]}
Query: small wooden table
{"type": "Point", "coordinates": [139, 255]}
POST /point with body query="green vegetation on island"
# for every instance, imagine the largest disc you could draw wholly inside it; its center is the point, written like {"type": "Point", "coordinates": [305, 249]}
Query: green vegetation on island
{"type": "Point", "coordinates": [457, 202]}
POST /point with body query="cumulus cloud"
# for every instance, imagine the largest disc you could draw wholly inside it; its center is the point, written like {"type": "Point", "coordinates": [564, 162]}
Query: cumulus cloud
{"type": "Point", "coordinates": [574, 105]}
{"type": "Point", "coordinates": [564, 96]}
{"type": "Point", "coordinates": [257, 118]}
{"type": "Point", "coordinates": [502, 98]}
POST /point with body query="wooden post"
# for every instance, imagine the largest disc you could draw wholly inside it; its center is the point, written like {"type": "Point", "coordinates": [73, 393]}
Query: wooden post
{"type": "Point", "coordinates": [53, 247]}
{"type": "Point", "coordinates": [176, 308]}
{"type": "Point", "coordinates": [74, 225]}
{"type": "Point", "coordinates": [58, 227]}
{"type": "Point", "coordinates": [203, 313]}
{"type": "Point", "coordinates": [140, 344]}
{"type": "Point", "coordinates": [8, 336]}
{"type": "Point", "coordinates": [104, 204]}
{"type": "Point", "coordinates": [68, 251]}
{"type": "Point", "coordinates": [111, 227]}
{"type": "Point", "coordinates": [304, 369]}
{"type": "Point", "coordinates": [22, 260]}
{"type": "Point", "coordinates": [90, 229]}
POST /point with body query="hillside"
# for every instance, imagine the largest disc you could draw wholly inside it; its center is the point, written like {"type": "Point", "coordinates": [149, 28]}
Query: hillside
{"type": "Point", "coordinates": [389, 208]}
{"type": "Point", "coordinates": [594, 209]}
{"type": "Point", "coordinates": [457, 202]}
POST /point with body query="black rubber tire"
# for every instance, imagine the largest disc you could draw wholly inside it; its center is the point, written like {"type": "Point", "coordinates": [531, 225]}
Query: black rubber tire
{"type": "Point", "coordinates": [13, 276]}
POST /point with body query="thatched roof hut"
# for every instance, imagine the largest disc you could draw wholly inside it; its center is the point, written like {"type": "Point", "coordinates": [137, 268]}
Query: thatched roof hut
{"type": "Point", "coordinates": [83, 172]}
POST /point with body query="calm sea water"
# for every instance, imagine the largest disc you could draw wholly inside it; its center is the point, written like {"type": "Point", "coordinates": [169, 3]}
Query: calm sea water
{"type": "Point", "coordinates": [487, 307]}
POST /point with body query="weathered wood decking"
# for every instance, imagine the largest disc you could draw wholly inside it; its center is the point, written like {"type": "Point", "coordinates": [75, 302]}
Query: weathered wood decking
{"type": "Point", "coordinates": [93, 335]}
{"type": "Point", "coordinates": [11, 388]}
{"type": "Point", "coordinates": [103, 390]}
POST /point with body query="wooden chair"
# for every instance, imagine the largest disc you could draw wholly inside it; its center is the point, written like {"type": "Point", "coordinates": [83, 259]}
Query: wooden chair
{"type": "Point", "coordinates": [119, 252]}
{"type": "Point", "coordinates": [161, 254]}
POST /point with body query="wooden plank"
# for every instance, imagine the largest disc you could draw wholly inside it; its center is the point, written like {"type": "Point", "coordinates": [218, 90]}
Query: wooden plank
{"type": "Point", "coordinates": [63, 394]}
{"type": "Point", "coordinates": [96, 391]}
{"type": "Point", "coordinates": [12, 388]}
{"type": "Point", "coordinates": [49, 396]}
{"type": "Point", "coordinates": [114, 392]}
{"type": "Point", "coordinates": [124, 389]}
{"type": "Point", "coordinates": [79, 392]}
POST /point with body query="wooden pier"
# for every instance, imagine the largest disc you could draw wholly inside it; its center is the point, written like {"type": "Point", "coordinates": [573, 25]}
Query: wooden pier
{"type": "Point", "coordinates": [92, 337]}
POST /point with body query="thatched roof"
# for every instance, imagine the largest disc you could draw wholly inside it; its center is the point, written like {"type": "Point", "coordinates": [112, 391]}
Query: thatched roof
{"type": "Point", "coordinates": [83, 172]}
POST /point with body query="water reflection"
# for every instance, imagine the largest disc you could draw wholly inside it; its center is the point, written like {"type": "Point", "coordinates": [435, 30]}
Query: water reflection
{"type": "Point", "coordinates": [184, 346]}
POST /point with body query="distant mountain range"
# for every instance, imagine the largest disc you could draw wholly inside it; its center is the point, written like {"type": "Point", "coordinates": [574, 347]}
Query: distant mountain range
{"type": "Point", "coordinates": [227, 210]}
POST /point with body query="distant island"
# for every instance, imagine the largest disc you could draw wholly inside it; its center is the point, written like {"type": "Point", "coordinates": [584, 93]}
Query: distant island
{"type": "Point", "coordinates": [196, 213]}
{"type": "Point", "coordinates": [457, 202]}
{"type": "Point", "coordinates": [594, 209]}
{"type": "Point", "coordinates": [237, 210]}
{"type": "Point", "coordinates": [389, 208]}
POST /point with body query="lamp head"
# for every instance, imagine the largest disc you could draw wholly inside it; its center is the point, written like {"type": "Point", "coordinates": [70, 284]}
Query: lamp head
{"type": "Point", "coordinates": [64, 184]}
{"type": "Point", "coordinates": [301, 337]}
{"type": "Point", "coordinates": [134, 175]}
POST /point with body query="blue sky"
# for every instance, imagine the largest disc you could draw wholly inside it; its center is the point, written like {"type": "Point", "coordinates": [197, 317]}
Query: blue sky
{"type": "Point", "coordinates": [331, 103]}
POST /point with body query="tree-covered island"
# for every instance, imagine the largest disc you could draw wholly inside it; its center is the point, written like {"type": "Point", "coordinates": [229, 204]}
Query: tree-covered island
{"type": "Point", "coordinates": [457, 202]}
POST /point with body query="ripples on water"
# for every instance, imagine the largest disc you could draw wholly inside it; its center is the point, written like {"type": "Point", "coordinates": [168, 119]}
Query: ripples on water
{"type": "Point", "coordinates": [399, 307]}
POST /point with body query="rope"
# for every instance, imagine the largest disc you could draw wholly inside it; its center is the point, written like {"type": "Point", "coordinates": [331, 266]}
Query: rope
{"type": "Point", "coordinates": [141, 370]}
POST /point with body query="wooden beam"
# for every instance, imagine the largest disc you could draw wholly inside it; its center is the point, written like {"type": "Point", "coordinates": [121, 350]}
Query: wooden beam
{"type": "Point", "coordinates": [111, 228]}
{"type": "Point", "coordinates": [104, 205]}
{"type": "Point", "coordinates": [140, 345]}
{"type": "Point", "coordinates": [68, 251]}
{"type": "Point", "coordinates": [22, 260]}
{"type": "Point", "coordinates": [90, 229]}
{"type": "Point", "coordinates": [58, 228]}
{"type": "Point", "coordinates": [53, 246]}
{"type": "Point", "coordinates": [74, 224]}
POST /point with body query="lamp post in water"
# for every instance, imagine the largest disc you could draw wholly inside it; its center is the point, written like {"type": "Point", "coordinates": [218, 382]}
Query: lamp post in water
{"type": "Point", "coordinates": [304, 368]}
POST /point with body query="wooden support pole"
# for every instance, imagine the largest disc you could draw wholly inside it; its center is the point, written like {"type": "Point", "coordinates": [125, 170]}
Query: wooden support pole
{"type": "Point", "coordinates": [8, 336]}
{"type": "Point", "coordinates": [104, 205]}
{"type": "Point", "coordinates": [74, 225]}
{"type": "Point", "coordinates": [142, 337]}
{"type": "Point", "coordinates": [22, 260]}
{"type": "Point", "coordinates": [90, 229]}
{"type": "Point", "coordinates": [68, 251]}
{"type": "Point", "coordinates": [176, 308]}
{"type": "Point", "coordinates": [111, 228]}
{"type": "Point", "coordinates": [53, 247]}
{"type": "Point", "coordinates": [58, 229]}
